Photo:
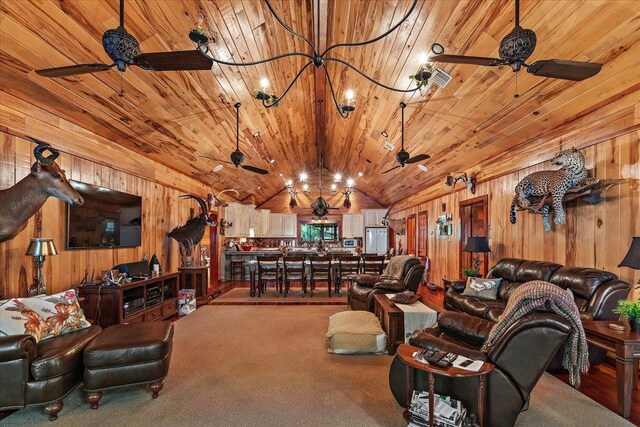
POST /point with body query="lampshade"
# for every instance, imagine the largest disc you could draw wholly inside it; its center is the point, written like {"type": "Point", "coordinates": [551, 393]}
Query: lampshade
{"type": "Point", "coordinates": [42, 247]}
{"type": "Point", "coordinates": [632, 259]}
{"type": "Point", "coordinates": [477, 244]}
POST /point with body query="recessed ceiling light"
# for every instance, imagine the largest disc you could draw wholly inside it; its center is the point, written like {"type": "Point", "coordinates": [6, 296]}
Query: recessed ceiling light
{"type": "Point", "coordinates": [281, 174]}
{"type": "Point", "coordinates": [423, 168]}
{"type": "Point", "coordinates": [272, 161]}
{"type": "Point", "coordinates": [360, 174]}
{"type": "Point", "coordinates": [437, 49]}
{"type": "Point", "coordinates": [383, 133]}
{"type": "Point", "coordinates": [256, 134]}
{"type": "Point", "coordinates": [218, 168]}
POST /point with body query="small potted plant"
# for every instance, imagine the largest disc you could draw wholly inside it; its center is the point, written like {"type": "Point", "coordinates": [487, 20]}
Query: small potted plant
{"type": "Point", "coordinates": [471, 272]}
{"type": "Point", "coordinates": [630, 310]}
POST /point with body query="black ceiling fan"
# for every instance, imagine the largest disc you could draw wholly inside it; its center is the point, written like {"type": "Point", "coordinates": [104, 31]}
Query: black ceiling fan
{"type": "Point", "coordinates": [237, 157]}
{"type": "Point", "coordinates": [516, 47]}
{"type": "Point", "coordinates": [402, 156]}
{"type": "Point", "coordinates": [124, 50]}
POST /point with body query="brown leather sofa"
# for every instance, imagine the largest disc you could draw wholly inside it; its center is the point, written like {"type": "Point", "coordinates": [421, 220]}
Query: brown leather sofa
{"type": "Point", "coordinates": [520, 357]}
{"type": "Point", "coordinates": [44, 373]}
{"type": "Point", "coordinates": [596, 292]}
{"type": "Point", "coordinates": [360, 294]}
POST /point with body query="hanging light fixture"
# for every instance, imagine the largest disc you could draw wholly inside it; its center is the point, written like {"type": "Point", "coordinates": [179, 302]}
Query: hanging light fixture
{"type": "Point", "coordinates": [317, 59]}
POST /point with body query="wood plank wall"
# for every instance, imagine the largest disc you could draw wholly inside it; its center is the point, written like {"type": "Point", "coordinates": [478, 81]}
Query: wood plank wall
{"type": "Point", "coordinates": [162, 210]}
{"type": "Point", "coordinates": [594, 235]}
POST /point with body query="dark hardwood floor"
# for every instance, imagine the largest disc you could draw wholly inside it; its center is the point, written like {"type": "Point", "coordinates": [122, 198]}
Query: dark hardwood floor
{"type": "Point", "coordinates": [599, 384]}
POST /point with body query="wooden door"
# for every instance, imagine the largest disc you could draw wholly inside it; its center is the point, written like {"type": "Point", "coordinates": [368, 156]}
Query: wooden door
{"type": "Point", "coordinates": [422, 235]}
{"type": "Point", "coordinates": [474, 221]}
{"type": "Point", "coordinates": [411, 235]}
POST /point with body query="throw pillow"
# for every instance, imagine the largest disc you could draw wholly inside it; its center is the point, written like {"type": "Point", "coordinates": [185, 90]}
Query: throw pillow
{"type": "Point", "coordinates": [18, 319]}
{"type": "Point", "coordinates": [61, 311]}
{"type": "Point", "coordinates": [482, 288]}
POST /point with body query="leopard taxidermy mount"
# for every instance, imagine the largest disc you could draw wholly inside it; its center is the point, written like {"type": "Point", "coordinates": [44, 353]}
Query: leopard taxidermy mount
{"type": "Point", "coordinates": [554, 183]}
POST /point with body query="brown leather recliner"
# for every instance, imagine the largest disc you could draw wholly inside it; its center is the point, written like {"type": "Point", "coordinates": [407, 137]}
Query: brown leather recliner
{"type": "Point", "coordinates": [360, 295]}
{"type": "Point", "coordinates": [44, 373]}
{"type": "Point", "coordinates": [520, 357]}
{"type": "Point", "coordinates": [596, 293]}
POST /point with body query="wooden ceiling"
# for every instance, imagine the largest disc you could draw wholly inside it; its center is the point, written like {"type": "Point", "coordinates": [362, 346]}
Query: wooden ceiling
{"type": "Point", "coordinates": [175, 118]}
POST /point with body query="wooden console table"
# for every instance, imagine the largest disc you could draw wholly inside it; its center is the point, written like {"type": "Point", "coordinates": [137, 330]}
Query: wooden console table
{"type": "Point", "coordinates": [405, 352]}
{"type": "Point", "coordinates": [106, 304]}
{"type": "Point", "coordinates": [626, 346]}
{"type": "Point", "coordinates": [392, 320]}
{"type": "Point", "coordinates": [195, 278]}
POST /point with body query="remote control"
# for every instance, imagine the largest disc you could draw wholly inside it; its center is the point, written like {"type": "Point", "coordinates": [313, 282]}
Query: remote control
{"type": "Point", "coordinates": [436, 357]}
{"type": "Point", "coordinates": [447, 360]}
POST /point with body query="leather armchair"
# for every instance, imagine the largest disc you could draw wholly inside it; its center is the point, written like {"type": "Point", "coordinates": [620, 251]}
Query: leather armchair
{"type": "Point", "coordinates": [43, 373]}
{"type": "Point", "coordinates": [360, 294]}
{"type": "Point", "coordinates": [520, 358]}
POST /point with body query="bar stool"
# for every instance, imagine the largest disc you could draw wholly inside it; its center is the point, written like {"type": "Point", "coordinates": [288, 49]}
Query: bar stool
{"type": "Point", "coordinates": [237, 267]}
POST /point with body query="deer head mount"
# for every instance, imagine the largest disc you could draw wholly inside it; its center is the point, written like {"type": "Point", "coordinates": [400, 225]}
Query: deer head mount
{"type": "Point", "coordinates": [24, 199]}
{"type": "Point", "coordinates": [470, 181]}
{"type": "Point", "coordinates": [397, 225]}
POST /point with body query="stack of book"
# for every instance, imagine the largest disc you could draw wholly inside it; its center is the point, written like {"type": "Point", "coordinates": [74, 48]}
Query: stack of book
{"type": "Point", "coordinates": [448, 412]}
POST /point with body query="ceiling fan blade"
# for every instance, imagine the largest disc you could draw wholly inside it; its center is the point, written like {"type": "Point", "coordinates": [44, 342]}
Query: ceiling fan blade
{"type": "Point", "coordinates": [255, 169]}
{"type": "Point", "coordinates": [183, 60]}
{"type": "Point", "coordinates": [564, 69]}
{"type": "Point", "coordinates": [460, 59]}
{"type": "Point", "coordinates": [72, 70]}
{"type": "Point", "coordinates": [217, 160]}
{"type": "Point", "coordinates": [389, 170]}
{"type": "Point", "coordinates": [419, 158]}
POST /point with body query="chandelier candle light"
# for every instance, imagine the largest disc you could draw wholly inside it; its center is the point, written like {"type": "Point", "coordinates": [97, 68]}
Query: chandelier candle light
{"type": "Point", "coordinates": [317, 59]}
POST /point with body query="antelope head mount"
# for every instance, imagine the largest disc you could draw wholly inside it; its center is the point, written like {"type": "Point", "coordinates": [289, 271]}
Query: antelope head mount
{"type": "Point", "coordinates": [23, 200]}
{"type": "Point", "coordinates": [397, 225]}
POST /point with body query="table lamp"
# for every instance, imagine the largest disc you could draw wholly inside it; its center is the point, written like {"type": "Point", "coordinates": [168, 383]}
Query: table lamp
{"type": "Point", "coordinates": [632, 259]}
{"type": "Point", "coordinates": [39, 249]}
{"type": "Point", "coordinates": [477, 245]}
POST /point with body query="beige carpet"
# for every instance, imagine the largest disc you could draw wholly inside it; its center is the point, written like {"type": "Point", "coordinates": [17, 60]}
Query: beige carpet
{"type": "Point", "coordinates": [267, 366]}
{"type": "Point", "coordinates": [240, 296]}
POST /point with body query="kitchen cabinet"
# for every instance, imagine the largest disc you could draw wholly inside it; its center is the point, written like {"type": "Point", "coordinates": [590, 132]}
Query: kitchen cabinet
{"type": "Point", "coordinates": [283, 225]}
{"type": "Point", "coordinates": [352, 225]}
{"type": "Point", "coordinates": [240, 216]}
{"type": "Point", "coordinates": [373, 217]}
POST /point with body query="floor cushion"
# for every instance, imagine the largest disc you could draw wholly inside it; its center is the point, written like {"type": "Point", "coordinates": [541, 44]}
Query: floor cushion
{"type": "Point", "coordinates": [355, 332]}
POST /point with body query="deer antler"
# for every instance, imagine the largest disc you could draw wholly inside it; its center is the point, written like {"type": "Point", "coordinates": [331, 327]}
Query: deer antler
{"type": "Point", "coordinates": [41, 148]}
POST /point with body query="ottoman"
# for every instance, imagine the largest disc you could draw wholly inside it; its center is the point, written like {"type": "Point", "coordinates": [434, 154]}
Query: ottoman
{"type": "Point", "coordinates": [355, 332]}
{"type": "Point", "coordinates": [129, 354]}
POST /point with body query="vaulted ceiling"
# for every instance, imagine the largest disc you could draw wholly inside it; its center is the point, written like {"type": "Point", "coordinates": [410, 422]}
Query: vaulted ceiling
{"type": "Point", "coordinates": [175, 118]}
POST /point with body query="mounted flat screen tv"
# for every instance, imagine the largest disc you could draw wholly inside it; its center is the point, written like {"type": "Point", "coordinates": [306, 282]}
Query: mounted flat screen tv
{"type": "Point", "coordinates": [107, 219]}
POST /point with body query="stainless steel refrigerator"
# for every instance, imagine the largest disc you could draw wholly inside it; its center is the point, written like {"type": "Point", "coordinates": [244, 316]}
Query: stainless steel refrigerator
{"type": "Point", "coordinates": [375, 240]}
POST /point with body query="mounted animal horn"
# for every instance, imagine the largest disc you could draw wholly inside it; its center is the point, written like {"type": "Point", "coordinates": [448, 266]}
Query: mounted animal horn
{"type": "Point", "coordinates": [201, 202]}
{"type": "Point", "coordinates": [41, 148]}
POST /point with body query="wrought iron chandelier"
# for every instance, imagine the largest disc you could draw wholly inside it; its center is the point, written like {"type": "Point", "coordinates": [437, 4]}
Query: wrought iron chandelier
{"type": "Point", "coordinates": [317, 59]}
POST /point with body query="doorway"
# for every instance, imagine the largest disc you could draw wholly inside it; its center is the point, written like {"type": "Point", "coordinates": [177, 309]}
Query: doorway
{"type": "Point", "coordinates": [422, 235]}
{"type": "Point", "coordinates": [411, 235]}
{"type": "Point", "coordinates": [474, 221]}
{"type": "Point", "coordinates": [214, 254]}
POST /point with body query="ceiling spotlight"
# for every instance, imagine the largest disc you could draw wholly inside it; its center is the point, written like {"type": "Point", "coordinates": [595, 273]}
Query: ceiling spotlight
{"type": "Point", "coordinates": [383, 133]}
{"type": "Point", "coordinates": [337, 177]}
{"type": "Point", "coordinates": [437, 49]}
{"type": "Point", "coordinates": [272, 161]}
{"type": "Point", "coordinates": [303, 176]}
{"type": "Point", "coordinates": [218, 168]}
{"type": "Point", "coordinates": [256, 134]}
{"type": "Point", "coordinates": [423, 168]}
{"type": "Point", "coordinates": [288, 183]}
{"type": "Point", "coordinates": [281, 174]}
{"type": "Point", "coordinates": [350, 182]}
{"type": "Point", "coordinates": [360, 174]}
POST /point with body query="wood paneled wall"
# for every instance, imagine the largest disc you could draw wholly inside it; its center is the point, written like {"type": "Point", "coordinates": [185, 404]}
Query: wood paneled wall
{"type": "Point", "coordinates": [595, 236]}
{"type": "Point", "coordinates": [162, 210]}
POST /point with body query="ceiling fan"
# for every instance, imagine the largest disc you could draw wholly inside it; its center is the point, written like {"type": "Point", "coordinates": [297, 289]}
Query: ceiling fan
{"type": "Point", "coordinates": [237, 157]}
{"type": "Point", "coordinates": [402, 156]}
{"type": "Point", "coordinates": [124, 50]}
{"type": "Point", "coordinates": [516, 47]}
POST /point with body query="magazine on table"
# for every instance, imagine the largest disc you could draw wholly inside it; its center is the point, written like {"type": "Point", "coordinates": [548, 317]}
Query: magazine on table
{"type": "Point", "coordinates": [448, 412]}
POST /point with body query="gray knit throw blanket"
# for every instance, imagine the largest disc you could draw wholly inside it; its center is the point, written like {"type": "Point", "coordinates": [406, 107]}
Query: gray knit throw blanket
{"type": "Point", "coordinates": [395, 267]}
{"type": "Point", "coordinates": [540, 295]}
